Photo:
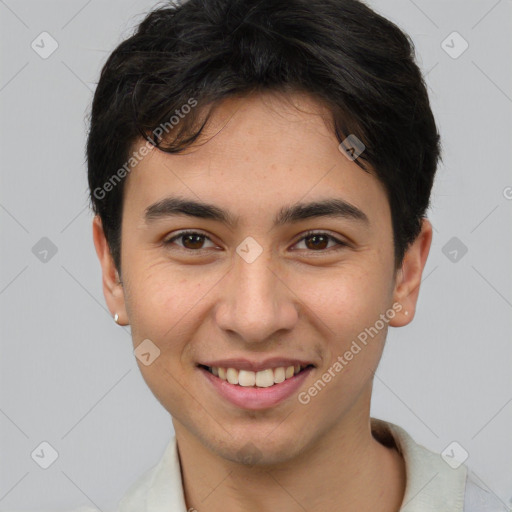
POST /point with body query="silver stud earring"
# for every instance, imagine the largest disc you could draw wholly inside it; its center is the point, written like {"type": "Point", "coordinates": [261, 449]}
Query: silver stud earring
{"type": "Point", "coordinates": [406, 313]}
{"type": "Point", "coordinates": [116, 318]}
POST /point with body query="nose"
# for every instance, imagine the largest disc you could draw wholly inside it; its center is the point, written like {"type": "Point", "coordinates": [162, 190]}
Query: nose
{"type": "Point", "coordinates": [255, 302]}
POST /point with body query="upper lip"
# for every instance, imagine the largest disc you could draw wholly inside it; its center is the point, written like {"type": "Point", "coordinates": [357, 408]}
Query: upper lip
{"type": "Point", "coordinates": [255, 366]}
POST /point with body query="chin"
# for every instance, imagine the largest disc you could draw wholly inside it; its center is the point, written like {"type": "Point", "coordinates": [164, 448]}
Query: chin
{"type": "Point", "coordinates": [258, 450]}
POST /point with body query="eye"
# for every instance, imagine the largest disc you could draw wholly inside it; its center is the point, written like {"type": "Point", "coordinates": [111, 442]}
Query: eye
{"type": "Point", "coordinates": [315, 241]}
{"type": "Point", "coordinates": [319, 241]}
{"type": "Point", "coordinates": [192, 240]}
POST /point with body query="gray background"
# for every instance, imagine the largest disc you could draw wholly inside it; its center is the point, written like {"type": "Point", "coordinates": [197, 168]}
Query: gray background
{"type": "Point", "coordinates": [68, 374]}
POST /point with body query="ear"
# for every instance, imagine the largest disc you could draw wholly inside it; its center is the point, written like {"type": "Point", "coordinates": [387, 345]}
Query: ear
{"type": "Point", "coordinates": [408, 278]}
{"type": "Point", "coordinates": [112, 287]}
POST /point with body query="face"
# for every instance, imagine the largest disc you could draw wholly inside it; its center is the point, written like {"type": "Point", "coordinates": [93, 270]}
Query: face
{"type": "Point", "coordinates": [258, 283]}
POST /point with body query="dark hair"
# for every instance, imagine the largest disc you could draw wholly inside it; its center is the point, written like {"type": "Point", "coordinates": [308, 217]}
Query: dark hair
{"type": "Point", "coordinates": [357, 63]}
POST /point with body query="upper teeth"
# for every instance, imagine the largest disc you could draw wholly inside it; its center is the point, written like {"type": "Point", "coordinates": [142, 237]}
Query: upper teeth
{"type": "Point", "coordinates": [261, 379]}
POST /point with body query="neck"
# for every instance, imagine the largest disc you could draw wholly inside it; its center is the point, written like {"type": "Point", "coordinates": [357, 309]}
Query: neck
{"type": "Point", "coordinates": [346, 470]}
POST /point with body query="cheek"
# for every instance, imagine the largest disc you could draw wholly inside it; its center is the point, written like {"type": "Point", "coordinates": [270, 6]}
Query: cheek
{"type": "Point", "coordinates": [162, 309]}
{"type": "Point", "coordinates": [167, 304]}
{"type": "Point", "coordinates": [349, 305]}
{"type": "Point", "coordinates": [347, 299]}
{"type": "Point", "coordinates": [158, 303]}
{"type": "Point", "coordinates": [352, 344]}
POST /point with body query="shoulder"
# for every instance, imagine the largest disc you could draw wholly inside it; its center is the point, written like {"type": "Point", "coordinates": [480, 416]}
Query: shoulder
{"type": "Point", "coordinates": [87, 508]}
{"type": "Point", "coordinates": [82, 508]}
{"type": "Point", "coordinates": [158, 488]}
{"type": "Point", "coordinates": [479, 499]}
{"type": "Point", "coordinates": [432, 483]}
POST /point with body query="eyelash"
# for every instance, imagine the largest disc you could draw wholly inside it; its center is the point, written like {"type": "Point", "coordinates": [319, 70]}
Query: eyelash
{"type": "Point", "coordinates": [308, 234]}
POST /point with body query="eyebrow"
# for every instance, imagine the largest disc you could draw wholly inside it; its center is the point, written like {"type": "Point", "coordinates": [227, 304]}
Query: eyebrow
{"type": "Point", "coordinates": [176, 206]}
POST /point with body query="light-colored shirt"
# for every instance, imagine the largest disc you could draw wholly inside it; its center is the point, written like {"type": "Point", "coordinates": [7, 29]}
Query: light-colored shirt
{"type": "Point", "coordinates": [432, 484]}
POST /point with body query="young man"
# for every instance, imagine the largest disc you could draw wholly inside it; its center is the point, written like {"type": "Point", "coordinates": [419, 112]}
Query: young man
{"type": "Point", "coordinates": [260, 174]}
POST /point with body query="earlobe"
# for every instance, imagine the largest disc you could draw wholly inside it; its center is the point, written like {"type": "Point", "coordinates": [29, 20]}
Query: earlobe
{"type": "Point", "coordinates": [408, 279]}
{"type": "Point", "coordinates": [112, 285]}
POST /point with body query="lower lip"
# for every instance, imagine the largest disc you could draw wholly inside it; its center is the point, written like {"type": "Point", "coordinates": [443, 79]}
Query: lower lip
{"type": "Point", "coordinates": [256, 398]}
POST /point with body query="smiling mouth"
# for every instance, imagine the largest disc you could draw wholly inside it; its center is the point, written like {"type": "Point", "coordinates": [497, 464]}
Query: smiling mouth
{"type": "Point", "coordinates": [261, 379]}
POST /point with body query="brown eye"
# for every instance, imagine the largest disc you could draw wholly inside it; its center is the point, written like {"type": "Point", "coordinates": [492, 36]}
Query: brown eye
{"type": "Point", "coordinates": [318, 242]}
{"type": "Point", "coordinates": [190, 240]}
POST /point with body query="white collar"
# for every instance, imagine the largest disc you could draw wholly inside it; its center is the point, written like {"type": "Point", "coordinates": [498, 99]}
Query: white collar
{"type": "Point", "coordinates": [432, 485]}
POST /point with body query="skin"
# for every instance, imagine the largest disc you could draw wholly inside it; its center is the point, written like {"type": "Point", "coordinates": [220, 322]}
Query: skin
{"type": "Point", "coordinates": [258, 154]}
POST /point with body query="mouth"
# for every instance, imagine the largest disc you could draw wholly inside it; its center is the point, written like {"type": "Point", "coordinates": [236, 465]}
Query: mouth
{"type": "Point", "coordinates": [266, 378]}
{"type": "Point", "coordinates": [258, 389]}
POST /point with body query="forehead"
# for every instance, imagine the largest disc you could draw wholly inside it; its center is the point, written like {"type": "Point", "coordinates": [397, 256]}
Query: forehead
{"type": "Point", "coordinates": [257, 152]}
